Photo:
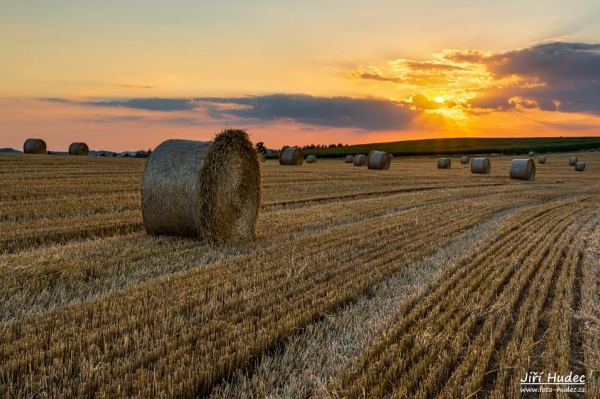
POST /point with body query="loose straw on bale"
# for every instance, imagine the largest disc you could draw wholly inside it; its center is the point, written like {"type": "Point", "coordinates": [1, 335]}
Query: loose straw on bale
{"type": "Point", "coordinates": [34, 146]}
{"type": "Point", "coordinates": [542, 159]}
{"type": "Point", "coordinates": [360, 160]}
{"type": "Point", "coordinates": [481, 166]}
{"type": "Point", "coordinates": [464, 160]}
{"type": "Point", "coordinates": [531, 153]}
{"type": "Point", "coordinates": [579, 166]}
{"type": "Point", "coordinates": [291, 156]}
{"type": "Point", "coordinates": [378, 160]}
{"type": "Point", "coordinates": [572, 161]}
{"type": "Point", "coordinates": [79, 149]}
{"type": "Point", "coordinates": [311, 159]}
{"type": "Point", "coordinates": [444, 163]}
{"type": "Point", "coordinates": [207, 190]}
{"type": "Point", "coordinates": [349, 158]}
{"type": "Point", "coordinates": [522, 169]}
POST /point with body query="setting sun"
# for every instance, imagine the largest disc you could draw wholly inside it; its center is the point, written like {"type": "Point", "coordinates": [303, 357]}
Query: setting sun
{"type": "Point", "coordinates": [439, 100]}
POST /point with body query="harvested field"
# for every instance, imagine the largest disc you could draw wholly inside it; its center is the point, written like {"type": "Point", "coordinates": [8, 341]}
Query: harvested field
{"type": "Point", "coordinates": [354, 286]}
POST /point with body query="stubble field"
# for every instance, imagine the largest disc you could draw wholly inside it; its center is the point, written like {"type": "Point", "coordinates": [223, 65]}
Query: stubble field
{"type": "Point", "coordinates": [408, 283]}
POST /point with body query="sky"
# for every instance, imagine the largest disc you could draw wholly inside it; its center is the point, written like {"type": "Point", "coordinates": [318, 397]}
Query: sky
{"type": "Point", "coordinates": [129, 74]}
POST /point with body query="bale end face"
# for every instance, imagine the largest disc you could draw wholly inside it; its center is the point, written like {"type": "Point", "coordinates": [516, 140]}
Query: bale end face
{"type": "Point", "coordinates": [291, 156]}
{"type": "Point", "coordinates": [360, 160]}
{"type": "Point", "coordinates": [34, 146]}
{"type": "Point", "coordinates": [522, 169]}
{"type": "Point", "coordinates": [378, 160]}
{"type": "Point", "coordinates": [580, 166]}
{"type": "Point", "coordinates": [444, 163]}
{"type": "Point", "coordinates": [481, 166]}
{"type": "Point", "coordinates": [206, 190]}
{"type": "Point", "coordinates": [81, 149]}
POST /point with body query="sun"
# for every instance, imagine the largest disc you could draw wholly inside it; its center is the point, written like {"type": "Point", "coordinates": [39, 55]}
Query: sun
{"type": "Point", "coordinates": [439, 100]}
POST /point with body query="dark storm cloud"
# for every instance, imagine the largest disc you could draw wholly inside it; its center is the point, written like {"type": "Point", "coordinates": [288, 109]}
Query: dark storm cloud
{"type": "Point", "coordinates": [566, 76]}
{"type": "Point", "coordinates": [375, 76]}
{"type": "Point", "coordinates": [362, 113]}
{"type": "Point", "coordinates": [552, 63]}
{"type": "Point", "coordinates": [149, 104]}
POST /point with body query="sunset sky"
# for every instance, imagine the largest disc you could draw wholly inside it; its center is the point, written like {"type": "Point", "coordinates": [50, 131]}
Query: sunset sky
{"type": "Point", "coordinates": [129, 74]}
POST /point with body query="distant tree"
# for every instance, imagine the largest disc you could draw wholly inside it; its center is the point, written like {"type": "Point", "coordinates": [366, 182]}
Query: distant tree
{"type": "Point", "coordinates": [260, 148]}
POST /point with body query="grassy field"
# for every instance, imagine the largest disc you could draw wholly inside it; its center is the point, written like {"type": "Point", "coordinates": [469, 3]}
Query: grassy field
{"type": "Point", "coordinates": [465, 146]}
{"type": "Point", "coordinates": [408, 283]}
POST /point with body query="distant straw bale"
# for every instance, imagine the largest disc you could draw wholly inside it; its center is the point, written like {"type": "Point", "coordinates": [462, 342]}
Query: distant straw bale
{"type": "Point", "coordinates": [360, 160]}
{"type": "Point", "coordinates": [311, 159]}
{"type": "Point", "coordinates": [481, 166]}
{"type": "Point", "coordinates": [572, 161]}
{"type": "Point", "coordinates": [79, 149]}
{"type": "Point", "coordinates": [444, 163]}
{"type": "Point", "coordinates": [531, 153]}
{"type": "Point", "coordinates": [291, 156]}
{"type": "Point", "coordinates": [542, 159]}
{"type": "Point", "coordinates": [206, 190]}
{"type": "Point", "coordinates": [579, 166]}
{"type": "Point", "coordinates": [522, 169]}
{"type": "Point", "coordinates": [349, 158]}
{"type": "Point", "coordinates": [34, 146]}
{"type": "Point", "coordinates": [379, 160]}
{"type": "Point", "coordinates": [464, 160]}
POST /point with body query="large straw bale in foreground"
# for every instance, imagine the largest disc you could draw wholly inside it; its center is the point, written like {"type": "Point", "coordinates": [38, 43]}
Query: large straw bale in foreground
{"type": "Point", "coordinates": [349, 158]}
{"type": "Point", "coordinates": [311, 159]}
{"type": "Point", "coordinates": [579, 166]}
{"type": "Point", "coordinates": [572, 161]}
{"type": "Point", "coordinates": [79, 149]}
{"type": "Point", "coordinates": [291, 156]}
{"type": "Point", "coordinates": [522, 169]}
{"type": "Point", "coordinates": [444, 163]}
{"type": "Point", "coordinates": [542, 159]}
{"type": "Point", "coordinates": [464, 160]}
{"type": "Point", "coordinates": [207, 190]}
{"type": "Point", "coordinates": [34, 146]}
{"type": "Point", "coordinates": [379, 160]}
{"type": "Point", "coordinates": [360, 160]}
{"type": "Point", "coordinates": [481, 166]}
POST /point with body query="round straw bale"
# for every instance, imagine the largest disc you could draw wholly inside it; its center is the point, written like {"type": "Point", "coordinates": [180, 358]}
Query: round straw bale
{"type": "Point", "coordinates": [542, 159]}
{"type": "Point", "coordinates": [531, 153]}
{"type": "Point", "coordinates": [206, 190]}
{"type": "Point", "coordinates": [360, 160]}
{"type": "Point", "coordinates": [444, 163]}
{"type": "Point", "coordinates": [522, 169]}
{"type": "Point", "coordinates": [464, 160]}
{"type": "Point", "coordinates": [481, 166]}
{"type": "Point", "coordinates": [34, 146]}
{"type": "Point", "coordinates": [79, 149]}
{"type": "Point", "coordinates": [379, 160]}
{"type": "Point", "coordinates": [349, 158]}
{"type": "Point", "coordinates": [291, 156]}
{"type": "Point", "coordinates": [579, 166]}
{"type": "Point", "coordinates": [311, 159]}
{"type": "Point", "coordinates": [572, 161]}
